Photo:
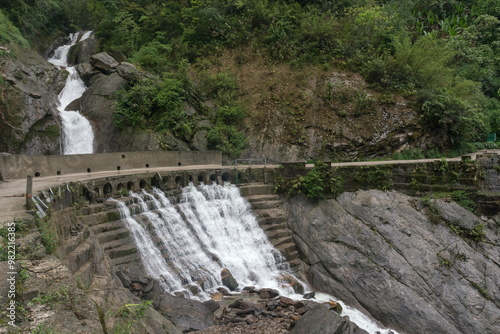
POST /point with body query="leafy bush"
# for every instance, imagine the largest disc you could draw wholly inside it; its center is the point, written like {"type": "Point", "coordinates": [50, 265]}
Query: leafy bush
{"type": "Point", "coordinates": [226, 138]}
{"type": "Point", "coordinates": [152, 104]}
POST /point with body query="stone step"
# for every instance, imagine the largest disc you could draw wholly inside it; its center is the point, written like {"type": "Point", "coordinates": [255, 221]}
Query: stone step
{"type": "Point", "coordinates": [121, 233]}
{"type": "Point", "coordinates": [132, 258]}
{"type": "Point", "coordinates": [270, 212]}
{"type": "Point", "coordinates": [278, 234]}
{"type": "Point", "coordinates": [256, 189]}
{"type": "Point", "coordinates": [287, 248]}
{"type": "Point", "coordinates": [266, 204]}
{"type": "Point", "coordinates": [80, 255]}
{"type": "Point", "coordinates": [271, 227]}
{"type": "Point", "coordinates": [294, 254]}
{"type": "Point", "coordinates": [85, 274]}
{"type": "Point", "coordinates": [281, 241]}
{"type": "Point", "coordinates": [100, 217]}
{"type": "Point", "coordinates": [261, 198]}
{"type": "Point", "coordinates": [124, 250]}
{"type": "Point", "coordinates": [265, 221]}
{"type": "Point", "coordinates": [116, 243]}
{"type": "Point", "coordinates": [107, 227]}
{"type": "Point", "coordinates": [295, 263]}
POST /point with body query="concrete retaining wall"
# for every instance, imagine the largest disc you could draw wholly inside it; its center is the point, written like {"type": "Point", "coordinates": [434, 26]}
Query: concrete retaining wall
{"type": "Point", "coordinates": [18, 166]}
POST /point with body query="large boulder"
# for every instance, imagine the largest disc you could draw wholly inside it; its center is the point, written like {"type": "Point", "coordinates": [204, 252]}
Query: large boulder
{"type": "Point", "coordinates": [82, 51]}
{"type": "Point", "coordinates": [186, 314]}
{"type": "Point", "coordinates": [380, 252]}
{"type": "Point", "coordinates": [104, 62]}
{"type": "Point", "coordinates": [130, 73]}
{"type": "Point", "coordinates": [321, 320]}
{"type": "Point", "coordinates": [98, 105]}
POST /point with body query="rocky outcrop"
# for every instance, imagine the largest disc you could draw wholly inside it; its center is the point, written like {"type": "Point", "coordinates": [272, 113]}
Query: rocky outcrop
{"type": "Point", "coordinates": [387, 254]}
{"type": "Point", "coordinates": [320, 319]}
{"type": "Point", "coordinates": [28, 103]}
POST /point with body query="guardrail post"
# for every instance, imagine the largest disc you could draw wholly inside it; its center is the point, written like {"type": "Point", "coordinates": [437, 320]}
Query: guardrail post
{"type": "Point", "coordinates": [29, 191]}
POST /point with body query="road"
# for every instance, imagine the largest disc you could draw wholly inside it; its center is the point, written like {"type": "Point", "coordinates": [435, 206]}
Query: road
{"type": "Point", "coordinates": [12, 193]}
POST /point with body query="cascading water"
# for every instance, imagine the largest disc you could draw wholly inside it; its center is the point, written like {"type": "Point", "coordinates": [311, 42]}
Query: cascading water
{"type": "Point", "coordinates": [78, 137]}
{"type": "Point", "coordinates": [212, 228]}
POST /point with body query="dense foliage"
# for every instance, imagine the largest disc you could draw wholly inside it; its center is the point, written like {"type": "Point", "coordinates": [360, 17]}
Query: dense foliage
{"type": "Point", "coordinates": [442, 55]}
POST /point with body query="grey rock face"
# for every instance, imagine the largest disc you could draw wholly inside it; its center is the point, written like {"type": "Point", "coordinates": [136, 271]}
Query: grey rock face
{"type": "Point", "coordinates": [82, 51]}
{"type": "Point", "coordinates": [28, 106]}
{"type": "Point", "coordinates": [380, 253]}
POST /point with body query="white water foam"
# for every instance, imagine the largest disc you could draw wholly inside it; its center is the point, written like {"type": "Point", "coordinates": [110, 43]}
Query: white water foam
{"type": "Point", "coordinates": [78, 136]}
{"type": "Point", "coordinates": [210, 229]}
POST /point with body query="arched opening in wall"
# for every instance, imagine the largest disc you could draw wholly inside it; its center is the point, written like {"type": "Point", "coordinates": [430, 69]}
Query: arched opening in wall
{"type": "Point", "coordinates": [226, 177]}
{"type": "Point", "coordinates": [123, 156]}
{"type": "Point", "coordinates": [37, 174]}
{"type": "Point", "coordinates": [130, 185]}
{"type": "Point", "coordinates": [213, 178]}
{"type": "Point", "coordinates": [190, 178]}
{"type": "Point", "coordinates": [89, 170]}
{"type": "Point", "coordinates": [178, 180]}
{"type": "Point", "coordinates": [58, 172]}
{"type": "Point", "coordinates": [119, 187]}
{"type": "Point", "coordinates": [155, 182]}
{"type": "Point", "coordinates": [166, 180]}
{"type": "Point", "coordinates": [107, 189]}
{"type": "Point", "coordinates": [179, 163]}
{"type": "Point", "coordinates": [118, 168]}
{"type": "Point", "coordinates": [201, 178]}
{"type": "Point", "coordinates": [142, 184]}
{"type": "Point", "coordinates": [147, 165]}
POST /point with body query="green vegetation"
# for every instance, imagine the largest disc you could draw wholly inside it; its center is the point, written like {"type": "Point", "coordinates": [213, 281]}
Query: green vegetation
{"type": "Point", "coordinates": [10, 34]}
{"type": "Point", "coordinates": [48, 233]}
{"type": "Point", "coordinates": [320, 182]}
{"type": "Point", "coordinates": [441, 56]}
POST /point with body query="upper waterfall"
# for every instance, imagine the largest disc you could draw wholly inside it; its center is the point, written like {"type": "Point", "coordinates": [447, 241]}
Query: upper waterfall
{"type": "Point", "coordinates": [78, 136]}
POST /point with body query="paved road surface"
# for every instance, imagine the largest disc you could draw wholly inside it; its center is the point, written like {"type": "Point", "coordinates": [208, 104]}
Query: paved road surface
{"type": "Point", "coordinates": [12, 198]}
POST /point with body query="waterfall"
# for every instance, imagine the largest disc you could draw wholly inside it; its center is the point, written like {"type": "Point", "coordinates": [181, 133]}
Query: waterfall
{"type": "Point", "coordinates": [210, 229]}
{"type": "Point", "coordinates": [78, 137]}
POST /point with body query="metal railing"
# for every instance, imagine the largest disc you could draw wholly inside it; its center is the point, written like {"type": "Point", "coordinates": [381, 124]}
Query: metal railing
{"type": "Point", "coordinates": [254, 161]}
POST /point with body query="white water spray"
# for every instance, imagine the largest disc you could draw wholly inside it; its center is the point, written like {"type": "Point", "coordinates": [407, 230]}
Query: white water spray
{"type": "Point", "coordinates": [210, 229]}
{"type": "Point", "coordinates": [78, 137]}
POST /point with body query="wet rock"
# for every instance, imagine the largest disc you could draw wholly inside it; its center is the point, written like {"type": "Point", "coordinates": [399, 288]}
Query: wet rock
{"type": "Point", "coordinates": [87, 72]}
{"type": "Point", "coordinates": [321, 320]}
{"type": "Point", "coordinates": [228, 280]}
{"type": "Point", "coordinates": [224, 291]}
{"type": "Point", "coordinates": [82, 51]}
{"type": "Point", "coordinates": [309, 295]}
{"type": "Point", "coordinates": [268, 293]}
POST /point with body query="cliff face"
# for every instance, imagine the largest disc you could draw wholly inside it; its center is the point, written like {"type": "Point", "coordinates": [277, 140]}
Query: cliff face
{"type": "Point", "coordinates": [403, 262]}
{"type": "Point", "coordinates": [29, 85]}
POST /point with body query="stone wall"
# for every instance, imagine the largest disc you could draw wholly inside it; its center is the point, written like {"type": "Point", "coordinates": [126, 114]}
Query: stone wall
{"type": "Point", "coordinates": [18, 166]}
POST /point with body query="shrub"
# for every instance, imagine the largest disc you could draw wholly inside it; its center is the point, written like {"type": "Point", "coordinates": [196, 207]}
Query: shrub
{"type": "Point", "coordinates": [9, 34]}
{"type": "Point", "coordinates": [226, 138]}
{"type": "Point", "coordinates": [152, 104]}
